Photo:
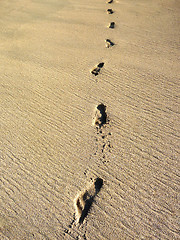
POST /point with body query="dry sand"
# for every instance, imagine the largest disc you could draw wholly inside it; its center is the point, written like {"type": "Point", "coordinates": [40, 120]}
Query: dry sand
{"type": "Point", "coordinates": [50, 150]}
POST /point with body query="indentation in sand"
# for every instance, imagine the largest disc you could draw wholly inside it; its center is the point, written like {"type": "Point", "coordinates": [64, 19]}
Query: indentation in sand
{"type": "Point", "coordinates": [84, 200]}
{"type": "Point", "coordinates": [109, 43]}
{"type": "Point", "coordinates": [110, 1]}
{"type": "Point", "coordinates": [97, 69]}
{"type": "Point", "coordinates": [110, 11]}
{"type": "Point", "coordinates": [100, 117]}
{"type": "Point", "coordinates": [111, 25]}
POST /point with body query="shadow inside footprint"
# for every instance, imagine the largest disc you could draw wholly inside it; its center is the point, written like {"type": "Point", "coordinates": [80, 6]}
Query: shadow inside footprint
{"type": "Point", "coordinates": [100, 117]}
{"type": "Point", "coordinates": [85, 199]}
{"type": "Point", "coordinates": [110, 11]}
{"type": "Point", "coordinates": [97, 69]}
{"type": "Point", "coordinates": [103, 117]}
{"type": "Point", "coordinates": [111, 25]}
{"type": "Point", "coordinates": [110, 1]}
{"type": "Point", "coordinates": [86, 209]}
{"type": "Point", "coordinates": [100, 65]}
{"type": "Point", "coordinates": [88, 199]}
{"type": "Point", "coordinates": [109, 43]}
{"type": "Point", "coordinates": [98, 184]}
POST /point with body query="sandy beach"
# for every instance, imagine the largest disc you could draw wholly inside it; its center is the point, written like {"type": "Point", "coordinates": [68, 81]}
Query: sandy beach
{"type": "Point", "coordinates": [89, 119]}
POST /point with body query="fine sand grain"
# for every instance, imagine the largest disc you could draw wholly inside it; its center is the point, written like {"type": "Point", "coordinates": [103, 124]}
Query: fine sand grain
{"type": "Point", "coordinates": [89, 141]}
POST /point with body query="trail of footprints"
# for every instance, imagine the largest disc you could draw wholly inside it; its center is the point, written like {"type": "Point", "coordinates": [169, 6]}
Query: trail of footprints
{"type": "Point", "coordinates": [108, 43]}
{"type": "Point", "coordinates": [103, 143]}
{"type": "Point", "coordinates": [85, 198]}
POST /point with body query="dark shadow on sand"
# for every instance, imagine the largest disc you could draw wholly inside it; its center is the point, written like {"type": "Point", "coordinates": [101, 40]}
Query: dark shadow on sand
{"type": "Point", "coordinates": [88, 202]}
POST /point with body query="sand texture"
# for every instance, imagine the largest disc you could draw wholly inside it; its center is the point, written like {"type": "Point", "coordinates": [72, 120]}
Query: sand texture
{"type": "Point", "coordinates": [89, 119]}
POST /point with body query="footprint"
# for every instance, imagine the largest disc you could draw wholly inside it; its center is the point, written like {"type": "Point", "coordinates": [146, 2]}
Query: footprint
{"type": "Point", "coordinates": [110, 1]}
{"type": "Point", "coordinates": [109, 43]}
{"type": "Point", "coordinates": [84, 200]}
{"type": "Point", "coordinates": [100, 116]}
{"type": "Point", "coordinates": [110, 11]}
{"type": "Point", "coordinates": [111, 25]}
{"type": "Point", "coordinates": [97, 69]}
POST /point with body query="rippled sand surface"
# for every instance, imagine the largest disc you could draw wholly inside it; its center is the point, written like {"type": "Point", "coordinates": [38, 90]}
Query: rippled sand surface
{"type": "Point", "coordinates": [89, 119]}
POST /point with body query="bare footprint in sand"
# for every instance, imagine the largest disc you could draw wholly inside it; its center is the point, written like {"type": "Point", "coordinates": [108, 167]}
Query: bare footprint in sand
{"type": "Point", "coordinates": [109, 43]}
{"type": "Point", "coordinates": [110, 11]}
{"type": "Point", "coordinates": [100, 117]}
{"type": "Point", "coordinates": [84, 200]}
{"type": "Point", "coordinates": [110, 1]}
{"type": "Point", "coordinates": [111, 25]}
{"type": "Point", "coordinates": [97, 69]}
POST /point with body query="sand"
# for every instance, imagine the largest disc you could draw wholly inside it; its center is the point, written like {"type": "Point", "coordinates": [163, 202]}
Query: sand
{"type": "Point", "coordinates": [55, 142]}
